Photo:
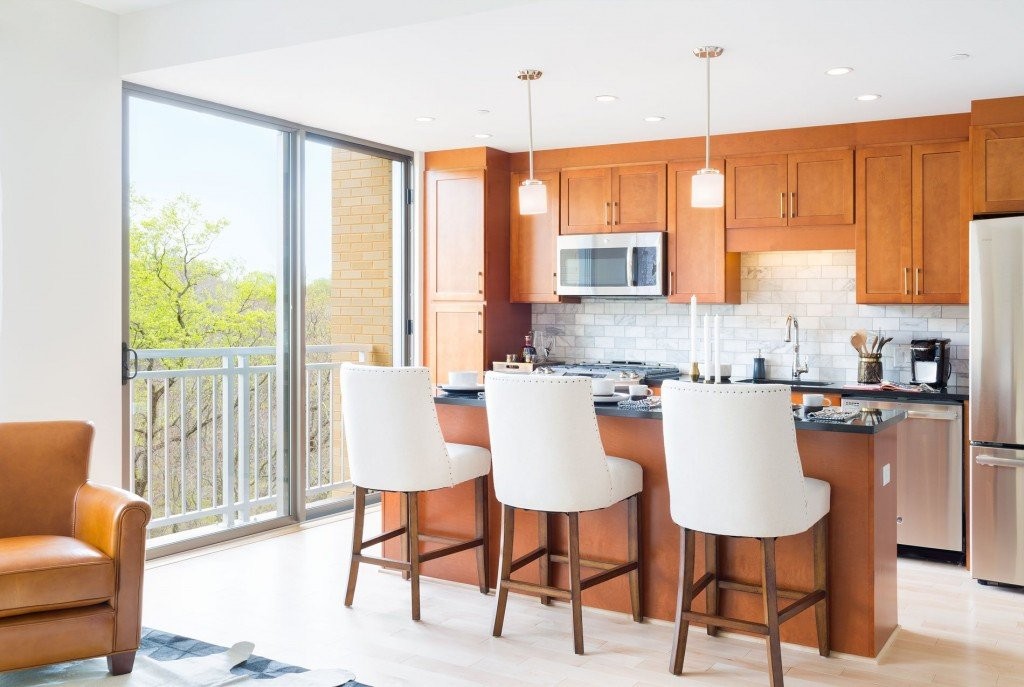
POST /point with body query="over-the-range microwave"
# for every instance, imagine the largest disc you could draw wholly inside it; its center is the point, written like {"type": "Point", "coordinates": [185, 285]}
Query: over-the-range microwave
{"type": "Point", "coordinates": [611, 264]}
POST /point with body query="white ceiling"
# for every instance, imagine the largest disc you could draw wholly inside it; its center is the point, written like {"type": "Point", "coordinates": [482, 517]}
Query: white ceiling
{"type": "Point", "coordinates": [126, 6]}
{"type": "Point", "coordinates": [372, 85]}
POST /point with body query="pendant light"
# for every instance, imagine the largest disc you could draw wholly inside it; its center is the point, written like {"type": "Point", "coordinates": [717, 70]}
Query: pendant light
{"type": "Point", "coordinates": [707, 189]}
{"type": "Point", "coordinates": [533, 194]}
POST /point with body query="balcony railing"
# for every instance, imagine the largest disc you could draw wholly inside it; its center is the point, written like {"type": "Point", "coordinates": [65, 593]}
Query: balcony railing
{"type": "Point", "coordinates": [207, 451]}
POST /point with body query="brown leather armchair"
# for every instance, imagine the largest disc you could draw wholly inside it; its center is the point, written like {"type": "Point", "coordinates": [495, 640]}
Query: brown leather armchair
{"type": "Point", "coordinates": [72, 553]}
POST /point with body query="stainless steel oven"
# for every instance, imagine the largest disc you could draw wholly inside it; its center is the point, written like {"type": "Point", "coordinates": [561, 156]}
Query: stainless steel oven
{"type": "Point", "coordinates": [611, 264]}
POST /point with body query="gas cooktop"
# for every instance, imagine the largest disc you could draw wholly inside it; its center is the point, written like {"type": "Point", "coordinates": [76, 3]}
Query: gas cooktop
{"type": "Point", "coordinates": [634, 370]}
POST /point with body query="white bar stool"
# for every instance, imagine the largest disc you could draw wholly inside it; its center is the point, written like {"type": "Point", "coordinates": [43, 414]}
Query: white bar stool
{"type": "Point", "coordinates": [548, 457]}
{"type": "Point", "coordinates": [734, 470]}
{"type": "Point", "coordinates": [395, 444]}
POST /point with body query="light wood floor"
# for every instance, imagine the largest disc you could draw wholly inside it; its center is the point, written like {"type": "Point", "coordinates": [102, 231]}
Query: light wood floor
{"type": "Point", "coordinates": [285, 594]}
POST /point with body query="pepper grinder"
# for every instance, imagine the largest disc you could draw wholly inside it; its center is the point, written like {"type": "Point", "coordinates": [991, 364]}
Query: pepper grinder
{"type": "Point", "coordinates": [759, 370]}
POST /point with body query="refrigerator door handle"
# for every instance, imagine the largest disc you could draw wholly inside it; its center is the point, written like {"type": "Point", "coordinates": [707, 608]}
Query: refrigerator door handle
{"type": "Point", "coordinates": [997, 462]}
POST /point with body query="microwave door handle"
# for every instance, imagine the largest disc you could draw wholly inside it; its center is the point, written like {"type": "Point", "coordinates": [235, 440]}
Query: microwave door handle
{"type": "Point", "coordinates": [631, 266]}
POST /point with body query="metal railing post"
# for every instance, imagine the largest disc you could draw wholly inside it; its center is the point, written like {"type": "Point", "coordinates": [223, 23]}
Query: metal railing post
{"type": "Point", "coordinates": [229, 426]}
{"type": "Point", "coordinates": [243, 438]}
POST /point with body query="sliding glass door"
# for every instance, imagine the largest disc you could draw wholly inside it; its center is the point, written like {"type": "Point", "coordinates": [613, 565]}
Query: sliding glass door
{"type": "Point", "coordinates": [259, 257]}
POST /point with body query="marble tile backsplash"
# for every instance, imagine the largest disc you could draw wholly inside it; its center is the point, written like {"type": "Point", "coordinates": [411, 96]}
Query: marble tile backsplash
{"type": "Point", "coordinates": [818, 287]}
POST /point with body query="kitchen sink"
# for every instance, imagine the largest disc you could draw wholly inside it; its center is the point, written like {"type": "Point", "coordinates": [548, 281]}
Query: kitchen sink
{"type": "Point", "coordinates": [790, 382]}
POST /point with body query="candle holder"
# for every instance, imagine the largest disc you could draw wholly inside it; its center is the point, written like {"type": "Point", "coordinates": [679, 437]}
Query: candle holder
{"type": "Point", "coordinates": [694, 372]}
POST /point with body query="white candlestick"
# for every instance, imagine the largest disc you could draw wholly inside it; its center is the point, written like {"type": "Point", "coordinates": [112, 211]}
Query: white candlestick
{"type": "Point", "coordinates": [718, 349]}
{"type": "Point", "coordinates": [707, 349]}
{"type": "Point", "coordinates": [693, 331]}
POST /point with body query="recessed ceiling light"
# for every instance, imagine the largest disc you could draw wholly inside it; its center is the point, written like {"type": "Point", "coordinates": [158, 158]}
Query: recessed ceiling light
{"type": "Point", "coordinates": [424, 119]}
{"type": "Point", "coordinates": [483, 112]}
{"type": "Point", "coordinates": [606, 98]}
{"type": "Point", "coordinates": [838, 71]}
{"type": "Point", "coordinates": [960, 56]}
{"type": "Point", "coordinates": [481, 135]}
{"type": "Point", "coordinates": [654, 118]}
{"type": "Point", "coordinates": [868, 96]}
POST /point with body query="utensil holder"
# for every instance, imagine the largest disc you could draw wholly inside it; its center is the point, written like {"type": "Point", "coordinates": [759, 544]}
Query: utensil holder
{"type": "Point", "coordinates": [869, 369]}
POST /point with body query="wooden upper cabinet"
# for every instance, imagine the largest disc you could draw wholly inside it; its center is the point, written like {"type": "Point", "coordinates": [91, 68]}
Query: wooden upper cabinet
{"type": "Point", "coordinates": [814, 188]}
{"type": "Point", "coordinates": [942, 212]}
{"type": "Point", "coordinates": [697, 261]}
{"type": "Point", "coordinates": [533, 245]}
{"type": "Point", "coordinates": [884, 235]}
{"type": "Point", "coordinates": [602, 199]}
{"type": "Point", "coordinates": [755, 191]}
{"type": "Point", "coordinates": [638, 198]}
{"type": "Point", "coordinates": [820, 188]}
{"type": "Point", "coordinates": [913, 213]}
{"type": "Point", "coordinates": [998, 152]}
{"type": "Point", "coordinates": [586, 204]}
{"type": "Point", "coordinates": [455, 235]}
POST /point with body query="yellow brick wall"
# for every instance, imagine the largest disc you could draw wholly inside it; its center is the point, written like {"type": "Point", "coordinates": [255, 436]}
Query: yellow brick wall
{"type": "Point", "coordinates": [361, 247]}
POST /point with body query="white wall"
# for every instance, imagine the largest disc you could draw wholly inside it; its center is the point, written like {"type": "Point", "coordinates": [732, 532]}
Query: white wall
{"type": "Point", "coordinates": [818, 287]}
{"type": "Point", "coordinates": [60, 266]}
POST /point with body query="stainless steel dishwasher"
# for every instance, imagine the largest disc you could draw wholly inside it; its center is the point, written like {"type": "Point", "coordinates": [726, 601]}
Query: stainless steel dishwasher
{"type": "Point", "coordinates": [929, 473]}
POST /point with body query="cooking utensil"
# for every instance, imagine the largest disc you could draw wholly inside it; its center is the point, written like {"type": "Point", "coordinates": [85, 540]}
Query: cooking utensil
{"type": "Point", "coordinates": [873, 344]}
{"type": "Point", "coordinates": [858, 339]}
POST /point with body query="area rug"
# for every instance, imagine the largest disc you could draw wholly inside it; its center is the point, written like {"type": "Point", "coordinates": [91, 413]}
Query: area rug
{"type": "Point", "coordinates": [166, 659]}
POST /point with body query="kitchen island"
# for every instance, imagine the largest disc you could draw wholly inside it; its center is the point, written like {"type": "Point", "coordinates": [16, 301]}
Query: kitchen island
{"type": "Point", "coordinates": [862, 543]}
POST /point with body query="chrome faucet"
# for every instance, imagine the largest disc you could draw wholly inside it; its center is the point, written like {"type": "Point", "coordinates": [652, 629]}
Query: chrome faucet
{"type": "Point", "coordinates": [798, 369]}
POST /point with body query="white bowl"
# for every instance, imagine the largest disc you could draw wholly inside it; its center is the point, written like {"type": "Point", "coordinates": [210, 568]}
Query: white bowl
{"type": "Point", "coordinates": [463, 378]}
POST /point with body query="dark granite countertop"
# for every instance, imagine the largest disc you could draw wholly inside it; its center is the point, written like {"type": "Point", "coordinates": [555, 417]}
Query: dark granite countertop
{"type": "Point", "coordinates": [865, 423]}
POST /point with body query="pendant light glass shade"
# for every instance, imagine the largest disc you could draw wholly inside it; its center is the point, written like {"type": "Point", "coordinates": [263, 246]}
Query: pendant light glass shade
{"type": "Point", "coordinates": [707, 189]}
{"type": "Point", "coordinates": [533, 194]}
{"type": "Point", "coordinates": [533, 197]}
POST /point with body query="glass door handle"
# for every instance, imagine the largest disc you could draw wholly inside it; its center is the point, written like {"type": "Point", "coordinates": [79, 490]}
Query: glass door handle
{"type": "Point", "coordinates": [129, 363]}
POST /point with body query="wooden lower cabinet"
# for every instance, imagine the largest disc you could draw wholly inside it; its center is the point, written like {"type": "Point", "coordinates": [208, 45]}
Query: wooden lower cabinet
{"type": "Point", "coordinates": [454, 338]}
{"type": "Point", "coordinates": [998, 152]}
{"type": "Point", "coordinates": [913, 211]}
{"type": "Point", "coordinates": [697, 261]}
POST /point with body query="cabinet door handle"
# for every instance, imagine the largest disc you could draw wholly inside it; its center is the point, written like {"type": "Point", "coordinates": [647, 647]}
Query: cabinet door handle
{"type": "Point", "coordinates": [479, 321]}
{"type": "Point", "coordinates": [917, 282]}
{"type": "Point", "coordinates": [670, 291]}
{"type": "Point", "coordinates": [782, 205]}
{"type": "Point", "coordinates": [906, 282]}
{"type": "Point", "coordinates": [480, 282]}
{"type": "Point", "coordinates": [616, 213]}
{"type": "Point", "coordinates": [608, 214]}
{"type": "Point", "coordinates": [554, 283]}
{"type": "Point", "coordinates": [792, 205]}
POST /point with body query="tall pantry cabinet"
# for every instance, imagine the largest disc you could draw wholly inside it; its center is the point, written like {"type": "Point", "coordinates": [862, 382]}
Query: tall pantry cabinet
{"type": "Point", "coordinates": [468, 319]}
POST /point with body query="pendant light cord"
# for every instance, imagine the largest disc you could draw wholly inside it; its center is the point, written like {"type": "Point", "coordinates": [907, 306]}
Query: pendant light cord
{"type": "Point", "coordinates": [529, 111]}
{"type": "Point", "coordinates": [707, 137]}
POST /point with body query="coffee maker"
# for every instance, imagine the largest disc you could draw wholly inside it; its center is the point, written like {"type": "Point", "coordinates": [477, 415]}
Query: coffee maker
{"type": "Point", "coordinates": [929, 361]}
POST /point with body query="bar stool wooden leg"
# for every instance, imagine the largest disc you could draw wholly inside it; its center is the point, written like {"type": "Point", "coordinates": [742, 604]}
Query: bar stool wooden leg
{"type": "Point", "coordinates": [412, 499]}
{"type": "Point", "coordinates": [633, 539]}
{"type": "Point", "coordinates": [481, 534]}
{"type": "Point", "coordinates": [575, 589]}
{"type": "Point", "coordinates": [508, 525]}
{"type": "Point", "coordinates": [711, 592]}
{"type": "Point", "coordinates": [403, 515]}
{"type": "Point", "coordinates": [684, 600]}
{"type": "Point", "coordinates": [821, 582]}
{"type": "Point", "coordinates": [770, 596]}
{"type": "Point", "coordinates": [545, 560]}
{"type": "Point", "coordinates": [359, 513]}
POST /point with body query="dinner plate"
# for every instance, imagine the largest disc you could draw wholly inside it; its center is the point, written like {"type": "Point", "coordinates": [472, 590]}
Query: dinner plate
{"type": "Point", "coordinates": [461, 387]}
{"type": "Point", "coordinates": [611, 398]}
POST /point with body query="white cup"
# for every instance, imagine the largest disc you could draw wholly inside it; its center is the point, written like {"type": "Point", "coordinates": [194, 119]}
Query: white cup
{"type": "Point", "coordinates": [603, 387]}
{"type": "Point", "coordinates": [463, 378]}
{"type": "Point", "coordinates": [638, 391]}
{"type": "Point", "coordinates": [815, 402]}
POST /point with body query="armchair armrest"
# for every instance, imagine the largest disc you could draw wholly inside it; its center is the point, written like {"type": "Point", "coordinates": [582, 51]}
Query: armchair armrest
{"type": "Point", "coordinates": [114, 521]}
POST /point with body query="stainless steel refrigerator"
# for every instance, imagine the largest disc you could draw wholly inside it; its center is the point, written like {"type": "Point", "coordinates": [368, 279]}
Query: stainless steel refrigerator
{"type": "Point", "coordinates": [997, 399]}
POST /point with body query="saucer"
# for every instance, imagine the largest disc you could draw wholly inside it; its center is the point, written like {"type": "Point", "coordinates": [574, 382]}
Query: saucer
{"type": "Point", "coordinates": [611, 398]}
